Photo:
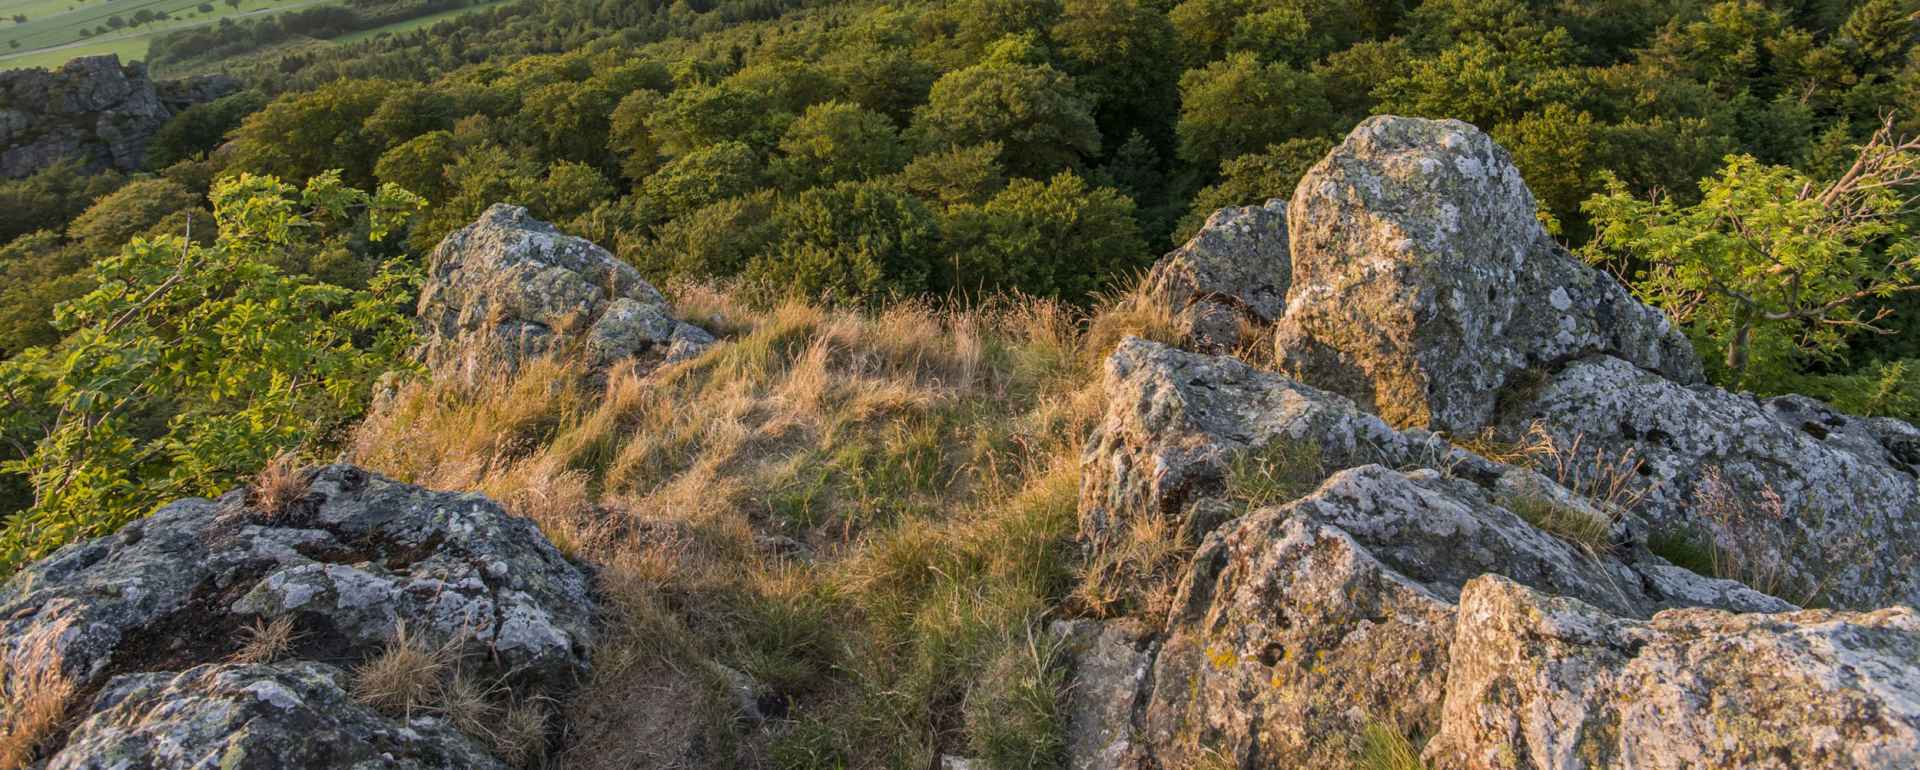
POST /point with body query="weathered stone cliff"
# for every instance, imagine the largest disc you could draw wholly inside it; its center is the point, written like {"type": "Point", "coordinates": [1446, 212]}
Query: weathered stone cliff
{"type": "Point", "coordinates": [92, 109]}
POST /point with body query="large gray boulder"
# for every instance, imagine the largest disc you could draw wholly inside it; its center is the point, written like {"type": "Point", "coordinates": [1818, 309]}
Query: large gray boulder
{"type": "Point", "coordinates": [92, 109]}
{"type": "Point", "coordinates": [1423, 286]}
{"type": "Point", "coordinates": [1799, 499]}
{"type": "Point", "coordinates": [509, 287]}
{"type": "Point", "coordinates": [1233, 273]}
{"type": "Point", "coordinates": [1300, 625]}
{"type": "Point", "coordinates": [1556, 684]}
{"type": "Point", "coordinates": [256, 717]}
{"type": "Point", "coordinates": [349, 563]}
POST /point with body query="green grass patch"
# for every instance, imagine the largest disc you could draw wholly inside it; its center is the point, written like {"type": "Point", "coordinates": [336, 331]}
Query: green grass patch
{"type": "Point", "coordinates": [1565, 522]}
{"type": "Point", "coordinates": [1384, 748]}
{"type": "Point", "coordinates": [1280, 472]}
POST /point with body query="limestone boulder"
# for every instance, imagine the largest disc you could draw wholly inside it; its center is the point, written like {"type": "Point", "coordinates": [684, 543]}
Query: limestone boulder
{"type": "Point", "coordinates": [93, 110]}
{"type": "Point", "coordinates": [1299, 626]}
{"type": "Point", "coordinates": [256, 717]}
{"type": "Point", "coordinates": [1178, 422]}
{"type": "Point", "coordinates": [349, 563]}
{"type": "Point", "coordinates": [1796, 498]}
{"type": "Point", "coordinates": [508, 288]}
{"type": "Point", "coordinates": [1423, 287]}
{"type": "Point", "coordinates": [1554, 683]}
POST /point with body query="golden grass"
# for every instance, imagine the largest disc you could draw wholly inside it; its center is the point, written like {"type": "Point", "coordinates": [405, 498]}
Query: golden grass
{"type": "Point", "coordinates": [279, 484]}
{"type": "Point", "coordinates": [265, 641]}
{"type": "Point", "coordinates": [921, 459]}
{"type": "Point", "coordinates": [34, 697]}
{"type": "Point", "coordinates": [405, 677]}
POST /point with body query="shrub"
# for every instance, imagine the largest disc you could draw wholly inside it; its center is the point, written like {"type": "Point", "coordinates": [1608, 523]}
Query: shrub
{"type": "Point", "coordinates": [191, 365]}
{"type": "Point", "coordinates": [850, 242]}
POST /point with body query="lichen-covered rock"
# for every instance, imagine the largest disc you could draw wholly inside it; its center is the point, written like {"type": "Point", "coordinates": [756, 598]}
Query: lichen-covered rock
{"type": "Point", "coordinates": [1807, 502]}
{"type": "Point", "coordinates": [1110, 662]}
{"type": "Point", "coordinates": [350, 562]}
{"type": "Point", "coordinates": [1300, 625]}
{"type": "Point", "coordinates": [1556, 684]}
{"type": "Point", "coordinates": [1423, 285]}
{"type": "Point", "coordinates": [1176, 421]}
{"type": "Point", "coordinates": [260, 717]}
{"type": "Point", "coordinates": [91, 109]}
{"type": "Point", "coordinates": [1234, 271]}
{"type": "Point", "coordinates": [510, 287]}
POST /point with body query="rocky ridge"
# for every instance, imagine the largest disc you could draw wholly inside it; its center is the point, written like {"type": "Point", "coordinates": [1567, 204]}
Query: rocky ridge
{"type": "Point", "coordinates": [92, 108]}
{"type": "Point", "coordinates": [1512, 604]}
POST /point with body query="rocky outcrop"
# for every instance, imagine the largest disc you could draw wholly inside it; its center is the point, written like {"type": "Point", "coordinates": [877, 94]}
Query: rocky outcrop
{"type": "Point", "coordinates": [256, 717]}
{"type": "Point", "coordinates": [1232, 274]}
{"type": "Point", "coordinates": [93, 109]}
{"type": "Point", "coordinates": [1522, 609]}
{"type": "Point", "coordinates": [1556, 684]}
{"type": "Point", "coordinates": [1298, 626]}
{"type": "Point", "coordinates": [1800, 499]}
{"type": "Point", "coordinates": [510, 287]}
{"type": "Point", "coordinates": [348, 563]}
{"type": "Point", "coordinates": [1423, 286]}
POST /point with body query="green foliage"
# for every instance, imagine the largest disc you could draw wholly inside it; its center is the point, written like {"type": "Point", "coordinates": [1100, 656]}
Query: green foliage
{"type": "Point", "coordinates": [1033, 111]}
{"type": "Point", "coordinates": [837, 142]}
{"type": "Point", "coordinates": [1239, 105]}
{"type": "Point", "coordinates": [48, 199]}
{"type": "Point", "coordinates": [420, 164]}
{"type": "Point", "coordinates": [568, 121]}
{"type": "Point", "coordinates": [629, 137]}
{"type": "Point", "coordinates": [702, 177]}
{"type": "Point", "coordinates": [957, 175]}
{"type": "Point", "coordinates": [1062, 238]}
{"type": "Point", "coordinates": [37, 272]}
{"type": "Point", "coordinates": [1254, 179]}
{"type": "Point", "coordinates": [129, 211]}
{"type": "Point", "coordinates": [1772, 267]}
{"type": "Point", "coordinates": [712, 241]}
{"type": "Point", "coordinates": [302, 135]}
{"type": "Point", "coordinates": [190, 365]}
{"type": "Point", "coordinates": [200, 128]}
{"type": "Point", "coordinates": [1555, 150]}
{"type": "Point", "coordinates": [852, 241]}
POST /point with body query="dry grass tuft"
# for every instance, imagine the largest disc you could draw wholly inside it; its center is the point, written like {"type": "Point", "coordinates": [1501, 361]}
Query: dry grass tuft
{"type": "Point", "coordinates": [265, 641]}
{"type": "Point", "coordinates": [278, 485]}
{"type": "Point", "coordinates": [519, 733]}
{"type": "Point", "coordinates": [1612, 483]}
{"type": "Point", "coordinates": [1135, 573]}
{"type": "Point", "coordinates": [34, 697]}
{"type": "Point", "coordinates": [406, 676]}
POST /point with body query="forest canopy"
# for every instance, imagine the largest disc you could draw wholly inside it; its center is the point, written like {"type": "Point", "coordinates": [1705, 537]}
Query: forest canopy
{"type": "Point", "coordinates": [864, 152]}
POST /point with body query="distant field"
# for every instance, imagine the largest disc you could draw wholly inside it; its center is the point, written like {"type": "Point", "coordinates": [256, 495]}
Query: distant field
{"type": "Point", "coordinates": [52, 36]}
{"type": "Point", "coordinates": [52, 32]}
{"type": "Point", "coordinates": [413, 24]}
